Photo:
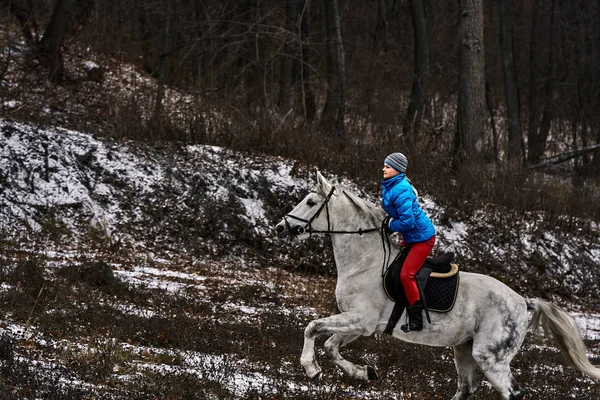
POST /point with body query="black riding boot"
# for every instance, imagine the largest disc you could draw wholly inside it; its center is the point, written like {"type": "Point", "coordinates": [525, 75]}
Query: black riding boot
{"type": "Point", "coordinates": [415, 318]}
{"type": "Point", "coordinates": [396, 314]}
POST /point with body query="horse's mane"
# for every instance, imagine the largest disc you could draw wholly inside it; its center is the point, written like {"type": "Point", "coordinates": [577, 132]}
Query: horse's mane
{"type": "Point", "coordinates": [370, 210]}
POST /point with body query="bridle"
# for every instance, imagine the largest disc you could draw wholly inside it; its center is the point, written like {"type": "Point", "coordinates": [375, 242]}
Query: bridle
{"type": "Point", "coordinates": [299, 230]}
{"type": "Point", "coordinates": [325, 205]}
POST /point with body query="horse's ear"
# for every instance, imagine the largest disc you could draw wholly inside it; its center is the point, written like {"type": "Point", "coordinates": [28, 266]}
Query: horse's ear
{"type": "Point", "coordinates": [323, 187]}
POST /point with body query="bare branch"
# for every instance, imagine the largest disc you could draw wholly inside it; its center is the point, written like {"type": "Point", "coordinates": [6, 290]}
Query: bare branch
{"type": "Point", "coordinates": [562, 157]}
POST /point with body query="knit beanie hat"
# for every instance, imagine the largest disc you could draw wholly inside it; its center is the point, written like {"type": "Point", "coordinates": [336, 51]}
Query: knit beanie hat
{"type": "Point", "coordinates": [398, 161]}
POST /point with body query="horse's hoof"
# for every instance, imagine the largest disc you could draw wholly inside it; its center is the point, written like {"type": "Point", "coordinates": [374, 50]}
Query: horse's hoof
{"type": "Point", "coordinates": [371, 373]}
{"type": "Point", "coordinates": [316, 377]}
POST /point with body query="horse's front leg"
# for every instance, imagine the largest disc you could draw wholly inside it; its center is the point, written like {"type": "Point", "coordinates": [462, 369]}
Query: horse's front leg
{"type": "Point", "coordinates": [343, 324]}
{"type": "Point", "coordinates": [332, 348]}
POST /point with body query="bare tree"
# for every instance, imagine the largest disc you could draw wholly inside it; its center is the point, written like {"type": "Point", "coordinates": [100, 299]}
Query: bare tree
{"type": "Point", "coordinates": [379, 44]}
{"type": "Point", "coordinates": [199, 60]}
{"type": "Point", "coordinates": [48, 49]}
{"type": "Point", "coordinates": [290, 55]}
{"type": "Point", "coordinates": [146, 36]}
{"type": "Point", "coordinates": [511, 86]}
{"type": "Point", "coordinates": [536, 139]}
{"type": "Point", "coordinates": [471, 95]}
{"type": "Point", "coordinates": [587, 70]}
{"type": "Point", "coordinates": [334, 110]}
{"type": "Point", "coordinates": [490, 107]}
{"type": "Point", "coordinates": [535, 72]}
{"type": "Point", "coordinates": [308, 95]}
{"type": "Point", "coordinates": [596, 89]}
{"type": "Point", "coordinates": [295, 62]}
{"type": "Point", "coordinates": [162, 68]}
{"type": "Point", "coordinates": [418, 96]}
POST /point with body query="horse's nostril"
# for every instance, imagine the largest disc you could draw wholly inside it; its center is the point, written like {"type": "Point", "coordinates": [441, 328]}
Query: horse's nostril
{"type": "Point", "coordinates": [280, 228]}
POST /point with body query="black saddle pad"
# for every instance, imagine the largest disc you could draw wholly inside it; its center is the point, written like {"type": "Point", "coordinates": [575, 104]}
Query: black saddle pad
{"type": "Point", "coordinates": [439, 293]}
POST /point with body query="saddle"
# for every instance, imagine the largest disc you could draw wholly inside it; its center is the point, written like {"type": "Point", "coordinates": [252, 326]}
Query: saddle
{"type": "Point", "coordinates": [437, 281]}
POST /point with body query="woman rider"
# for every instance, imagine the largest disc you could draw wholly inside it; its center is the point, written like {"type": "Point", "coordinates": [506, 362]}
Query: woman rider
{"type": "Point", "coordinates": [406, 217]}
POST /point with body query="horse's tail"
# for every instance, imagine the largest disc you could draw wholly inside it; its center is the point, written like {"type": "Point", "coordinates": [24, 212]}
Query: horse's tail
{"type": "Point", "coordinates": [560, 326]}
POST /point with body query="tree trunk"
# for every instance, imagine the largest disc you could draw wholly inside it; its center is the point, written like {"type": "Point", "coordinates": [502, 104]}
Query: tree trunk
{"type": "Point", "coordinates": [334, 111]}
{"type": "Point", "coordinates": [596, 94]}
{"type": "Point", "coordinates": [162, 68]}
{"type": "Point", "coordinates": [418, 96]}
{"type": "Point", "coordinates": [596, 158]}
{"type": "Point", "coordinates": [308, 96]}
{"type": "Point", "coordinates": [490, 106]}
{"type": "Point", "coordinates": [49, 51]}
{"type": "Point", "coordinates": [379, 45]}
{"type": "Point", "coordinates": [581, 123]}
{"type": "Point", "coordinates": [535, 69]}
{"type": "Point", "coordinates": [471, 94]}
{"type": "Point", "coordinates": [197, 60]}
{"type": "Point", "coordinates": [148, 62]}
{"type": "Point", "coordinates": [538, 144]}
{"type": "Point", "coordinates": [588, 76]}
{"type": "Point", "coordinates": [511, 86]}
{"type": "Point", "coordinates": [26, 20]}
{"type": "Point", "coordinates": [340, 124]}
{"type": "Point", "coordinates": [290, 56]}
{"type": "Point", "coordinates": [205, 74]}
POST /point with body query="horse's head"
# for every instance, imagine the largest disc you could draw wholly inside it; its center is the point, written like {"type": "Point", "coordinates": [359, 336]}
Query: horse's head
{"type": "Point", "coordinates": [310, 215]}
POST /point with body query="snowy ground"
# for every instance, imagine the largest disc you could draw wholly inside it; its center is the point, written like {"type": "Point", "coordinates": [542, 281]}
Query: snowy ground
{"type": "Point", "coordinates": [237, 375]}
{"type": "Point", "coordinates": [68, 182]}
{"type": "Point", "coordinates": [186, 236]}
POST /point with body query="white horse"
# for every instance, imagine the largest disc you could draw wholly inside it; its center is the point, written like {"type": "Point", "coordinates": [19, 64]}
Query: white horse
{"type": "Point", "coordinates": [486, 327]}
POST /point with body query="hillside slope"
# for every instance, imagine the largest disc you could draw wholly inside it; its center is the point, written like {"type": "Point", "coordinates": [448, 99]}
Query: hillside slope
{"type": "Point", "coordinates": [67, 185]}
{"type": "Point", "coordinates": [132, 271]}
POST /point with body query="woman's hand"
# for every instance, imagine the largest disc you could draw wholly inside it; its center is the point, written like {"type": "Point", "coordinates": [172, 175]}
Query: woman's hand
{"type": "Point", "coordinates": [386, 225]}
{"type": "Point", "coordinates": [401, 241]}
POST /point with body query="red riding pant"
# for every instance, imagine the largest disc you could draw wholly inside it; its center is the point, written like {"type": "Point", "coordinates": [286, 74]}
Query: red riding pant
{"type": "Point", "coordinates": [414, 261]}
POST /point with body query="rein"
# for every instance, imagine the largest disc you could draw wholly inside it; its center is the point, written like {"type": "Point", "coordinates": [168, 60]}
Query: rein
{"type": "Point", "coordinates": [385, 240]}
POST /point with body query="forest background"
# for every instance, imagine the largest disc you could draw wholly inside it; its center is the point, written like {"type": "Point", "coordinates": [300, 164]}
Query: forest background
{"type": "Point", "coordinates": [492, 101]}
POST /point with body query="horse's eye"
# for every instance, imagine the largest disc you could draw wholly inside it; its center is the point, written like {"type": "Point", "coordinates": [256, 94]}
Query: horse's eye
{"type": "Point", "coordinates": [310, 203]}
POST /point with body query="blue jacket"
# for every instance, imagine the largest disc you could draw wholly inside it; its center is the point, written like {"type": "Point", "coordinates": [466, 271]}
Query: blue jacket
{"type": "Point", "coordinates": [400, 202]}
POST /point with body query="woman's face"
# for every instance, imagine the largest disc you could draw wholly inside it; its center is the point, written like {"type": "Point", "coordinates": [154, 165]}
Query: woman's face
{"type": "Point", "coordinates": [388, 171]}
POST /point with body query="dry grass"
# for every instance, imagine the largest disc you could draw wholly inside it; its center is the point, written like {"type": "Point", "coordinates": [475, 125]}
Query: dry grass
{"type": "Point", "coordinates": [190, 342]}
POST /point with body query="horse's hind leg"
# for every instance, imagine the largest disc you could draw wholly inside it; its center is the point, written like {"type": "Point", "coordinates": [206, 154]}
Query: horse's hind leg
{"type": "Point", "coordinates": [499, 338]}
{"type": "Point", "coordinates": [502, 380]}
{"type": "Point", "coordinates": [494, 360]}
{"type": "Point", "coordinates": [332, 348]}
{"type": "Point", "coordinates": [466, 367]}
